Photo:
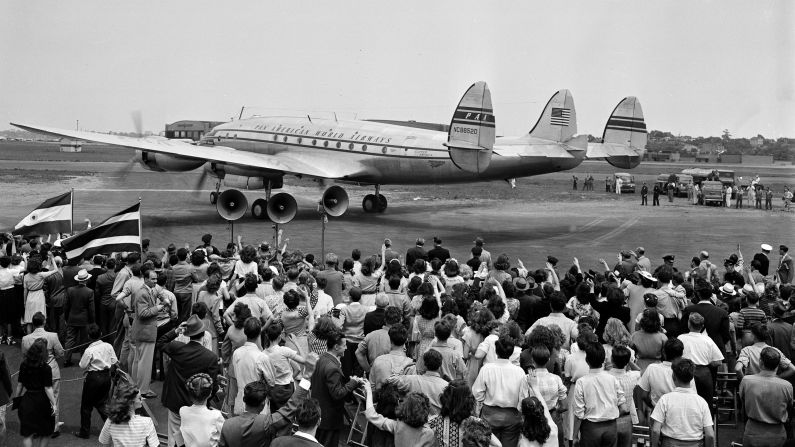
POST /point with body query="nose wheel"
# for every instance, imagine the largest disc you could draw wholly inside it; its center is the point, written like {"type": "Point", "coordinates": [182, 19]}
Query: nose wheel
{"type": "Point", "coordinates": [374, 203]}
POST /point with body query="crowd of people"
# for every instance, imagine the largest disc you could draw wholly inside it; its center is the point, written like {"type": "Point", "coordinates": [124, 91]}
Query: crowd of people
{"type": "Point", "coordinates": [252, 341]}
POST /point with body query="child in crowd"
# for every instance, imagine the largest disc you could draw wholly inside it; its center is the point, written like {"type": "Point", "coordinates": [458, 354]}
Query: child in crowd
{"type": "Point", "coordinates": [410, 429]}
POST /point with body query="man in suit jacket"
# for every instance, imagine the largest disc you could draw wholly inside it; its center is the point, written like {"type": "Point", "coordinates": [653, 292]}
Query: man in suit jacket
{"type": "Point", "coordinates": [438, 252]}
{"type": "Point", "coordinates": [784, 270]}
{"type": "Point", "coordinates": [143, 333]}
{"type": "Point", "coordinates": [716, 320]}
{"type": "Point", "coordinates": [764, 259]}
{"type": "Point", "coordinates": [375, 320]}
{"type": "Point", "coordinates": [331, 389]}
{"type": "Point", "coordinates": [307, 417]}
{"type": "Point", "coordinates": [254, 429]}
{"type": "Point", "coordinates": [78, 310]}
{"type": "Point", "coordinates": [417, 252]}
{"type": "Point", "coordinates": [187, 359]}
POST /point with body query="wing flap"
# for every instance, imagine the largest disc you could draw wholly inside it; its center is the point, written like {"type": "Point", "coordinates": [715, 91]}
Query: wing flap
{"type": "Point", "coordinates": [281, 162]}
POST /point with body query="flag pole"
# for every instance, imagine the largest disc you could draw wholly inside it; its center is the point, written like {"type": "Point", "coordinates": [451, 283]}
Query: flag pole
{"type": "Point", "coordinates": [140, 230]}
{"type": "Point", "coordinates": [72, 207]}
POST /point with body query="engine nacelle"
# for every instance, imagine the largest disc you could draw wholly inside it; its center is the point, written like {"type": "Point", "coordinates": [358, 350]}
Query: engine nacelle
{"type": "Point", "coordinates": [245, 182]}
{"type": "Point", "coordinates": [624, 161]}
{"type": "Point", "coordinates": [162, 163]}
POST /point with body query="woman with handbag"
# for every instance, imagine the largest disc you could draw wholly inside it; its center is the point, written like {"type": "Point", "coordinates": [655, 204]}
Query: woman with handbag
{"type": "Point", "coordinates": [36, 401]}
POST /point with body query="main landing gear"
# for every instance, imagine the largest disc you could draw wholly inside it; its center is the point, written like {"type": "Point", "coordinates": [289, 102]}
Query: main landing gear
{"type": "Point", "coordinates": [374, 203]}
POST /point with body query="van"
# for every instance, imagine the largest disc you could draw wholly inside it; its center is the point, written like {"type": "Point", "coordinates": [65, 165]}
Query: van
{"type": "Point", "coordinates": [628, 182]}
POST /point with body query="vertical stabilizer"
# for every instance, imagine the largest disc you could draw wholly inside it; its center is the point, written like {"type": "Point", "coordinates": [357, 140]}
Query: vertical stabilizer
{"type": "Point", "coordinates": [558, 122]}
{"type": "Point", "coordinates": [471, 136]}
{"type": "Point", "coordinates": [626, 125]}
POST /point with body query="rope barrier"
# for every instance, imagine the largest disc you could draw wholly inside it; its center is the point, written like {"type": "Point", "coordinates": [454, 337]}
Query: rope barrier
{"type": "Point", "coordinates": [74, 348]}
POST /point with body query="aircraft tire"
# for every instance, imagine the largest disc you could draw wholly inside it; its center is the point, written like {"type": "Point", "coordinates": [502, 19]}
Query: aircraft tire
{"type": "Point", "coordinates": [213, 198]}
{"type": "Point", "coordinates": [259, 209]}
{"type": "Point", "coordinates": [382, 203]}
{"type": "Point", "coordinates": [369, 203]}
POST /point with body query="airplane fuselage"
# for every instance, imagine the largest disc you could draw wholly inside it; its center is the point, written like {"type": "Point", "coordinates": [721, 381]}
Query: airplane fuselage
{"type": "Point", "coordinates": [386, 154]}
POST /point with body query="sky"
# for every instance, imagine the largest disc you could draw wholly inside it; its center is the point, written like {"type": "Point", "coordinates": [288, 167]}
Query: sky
{"type": "Point", "coordinates": [698, 67]}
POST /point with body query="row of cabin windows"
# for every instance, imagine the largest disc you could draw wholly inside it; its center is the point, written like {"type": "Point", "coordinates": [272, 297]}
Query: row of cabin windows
{"type": "Point", "coordinates": [325, 143]}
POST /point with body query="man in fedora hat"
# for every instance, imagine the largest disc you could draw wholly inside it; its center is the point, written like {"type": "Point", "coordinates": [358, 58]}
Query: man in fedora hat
{"type": "Point", "coordinates": [485, 255]}
{"type": "Point", "coordinates": [528, 302]}
{"type": "Point", "coordinates": [187, 359]}
{"type": "Point", "coordinates": [78, 313]}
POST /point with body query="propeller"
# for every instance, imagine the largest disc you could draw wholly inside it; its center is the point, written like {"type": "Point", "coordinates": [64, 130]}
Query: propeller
{"type": "Point", "coordinates": [200, 182]}
{"type": "Point", "coordinates": [127, 167]}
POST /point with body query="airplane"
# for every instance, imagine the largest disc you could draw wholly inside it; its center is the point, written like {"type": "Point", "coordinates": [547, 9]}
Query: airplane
{"type": "Point", "coordinates": [256, 153]}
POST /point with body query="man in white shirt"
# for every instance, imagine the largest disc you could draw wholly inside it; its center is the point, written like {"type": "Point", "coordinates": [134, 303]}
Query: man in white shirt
{"type": "Point", "coordinates": [657, 379]}
{"type": "Point", "coordinates": [324, 301]}
{"type": "Point", "coordinates": [259, 309]}
{"type": "Point", "coordinates": [97, 360]}
{"type": "Point", "coordinates": [499, 389]}
{"type": "Point", "coordinates": [599, 400]}
{"type": "Point", "coordinates": [705, 355]}
{"type": "Point", "coordinates": [250, 363]}
{"type": "Point", "coordinates": [681, 415]}
{"type": "Point", "coordinates": [557, 303]}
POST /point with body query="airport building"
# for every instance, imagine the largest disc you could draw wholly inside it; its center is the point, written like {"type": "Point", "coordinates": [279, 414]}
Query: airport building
{"type": "Point", "coordinates": [189, 129]}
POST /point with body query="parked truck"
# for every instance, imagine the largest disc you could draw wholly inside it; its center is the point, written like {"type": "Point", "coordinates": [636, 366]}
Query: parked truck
{"type": "Point", "coordinates": [712, 192]}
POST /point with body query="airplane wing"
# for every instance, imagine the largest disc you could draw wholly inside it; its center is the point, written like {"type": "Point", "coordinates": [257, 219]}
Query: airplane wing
{"type": "Point", "coordinates": [281, 162]}
{"type": "Point", "coordinates": [606, 150]}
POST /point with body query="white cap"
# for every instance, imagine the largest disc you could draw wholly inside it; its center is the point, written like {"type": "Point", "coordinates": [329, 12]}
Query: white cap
{"type": "Point", "coordinates": [766, 247]}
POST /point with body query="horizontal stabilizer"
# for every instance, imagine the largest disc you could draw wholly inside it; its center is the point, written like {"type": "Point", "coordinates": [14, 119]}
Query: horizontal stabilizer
{"type": "Point", "coordinates": [471, 136]}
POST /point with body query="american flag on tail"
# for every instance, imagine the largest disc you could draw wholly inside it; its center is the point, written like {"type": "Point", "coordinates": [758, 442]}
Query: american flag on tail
{"type": "Point", "coordinates": [560, 116]}
{"type": "Point", "coordinates": [120, 232]}
{"type": "Point", "coordinates": [53, 216]}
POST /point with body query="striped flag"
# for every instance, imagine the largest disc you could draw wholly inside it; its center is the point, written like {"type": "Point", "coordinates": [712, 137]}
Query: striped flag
{"type": "Point", "coordinates": [120, 232]}
{"type": "Point", "coordinates": [560, 116]}
{"type": "Point", "coordinates": [51, 217]}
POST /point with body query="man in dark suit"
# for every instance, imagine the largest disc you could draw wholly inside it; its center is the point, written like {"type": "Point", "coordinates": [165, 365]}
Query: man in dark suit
{"type": "Point", "coordinates": [438, 252]}
{"type": "Point", "coordinates": [331, 389]}
{"type": "Point", "coordinates": [375, 320]}
{"type": "Point", "coordinates": [78, 311]}
{"type": "Point", "coordinates": [187, 359]}
{"type": "Point", "coordinates": [253, 429]}
{"type": "Point", "coordinates": [417, 252]}
{"type": "Point", "coordinates": [784, 271]}
{"type": "Point", "coordinates": [307, 417]}
{"type": "Point", "coordinates": [716, 320]}
{"type": "Point", "coordinates": [764, 259]}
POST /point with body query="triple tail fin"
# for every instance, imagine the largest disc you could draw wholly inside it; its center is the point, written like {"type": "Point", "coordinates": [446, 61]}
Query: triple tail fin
{"type": "Point", "coordinates": [471, 137]}
{"type": "Point", "coordinates": [558, 122]}
{"type": "Point", "coordinates": [626, 125]}
{"type": "Point", "coordinates": [624, 138]}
